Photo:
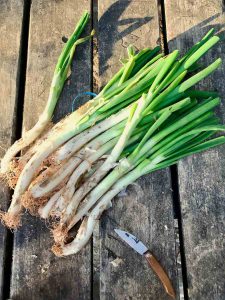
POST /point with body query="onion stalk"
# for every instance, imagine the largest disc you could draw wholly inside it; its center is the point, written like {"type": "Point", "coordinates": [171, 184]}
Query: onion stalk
{"type": "Point", "coordinates": [59, 77]}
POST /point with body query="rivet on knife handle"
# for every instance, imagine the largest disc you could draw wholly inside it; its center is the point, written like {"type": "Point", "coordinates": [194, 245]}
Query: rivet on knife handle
{"type": "Point", "coordinates": [160, 273]}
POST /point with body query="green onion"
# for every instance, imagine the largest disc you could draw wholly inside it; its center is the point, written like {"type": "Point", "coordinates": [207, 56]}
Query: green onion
{"type": "Point", "coordinates": [147, 117]}
{"type": "Point", "coordinates": [60, 75]}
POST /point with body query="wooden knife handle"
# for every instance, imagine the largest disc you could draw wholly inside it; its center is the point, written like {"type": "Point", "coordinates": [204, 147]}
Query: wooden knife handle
{"type": "Point", "coordinates": [157, 268]}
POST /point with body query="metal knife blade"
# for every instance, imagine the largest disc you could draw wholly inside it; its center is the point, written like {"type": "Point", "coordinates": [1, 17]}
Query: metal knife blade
{"type": "Point", "coordinates": [132, 241]}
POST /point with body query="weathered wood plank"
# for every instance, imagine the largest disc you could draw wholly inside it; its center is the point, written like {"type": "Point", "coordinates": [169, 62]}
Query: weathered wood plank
{"type": "Point", "coordinates": [146, 210]}
{"type": "Point", "coordinates": [201, 177]}
{"type": "Point", "coordinates": [11, 15]}
{"type": "Point", "coordinates": [37, 273]}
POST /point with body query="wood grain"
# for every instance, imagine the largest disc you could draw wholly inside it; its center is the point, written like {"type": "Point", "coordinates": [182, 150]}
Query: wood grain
{"type": "Point", "coordinates": [146, 208]}
{"type": "Point", "coordinates": [11, 15]}
{"type": "Point", "coordinates": [36, 272]}
{"type": "Point", "coordinates": [201, 177]}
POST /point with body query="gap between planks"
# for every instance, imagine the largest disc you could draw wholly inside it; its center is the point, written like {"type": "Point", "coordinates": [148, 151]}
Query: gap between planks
{"type": "Point", "coordinates": [180, 249]}
{"type": "Point", "coordinates": [21, 80]}
{"type": "Point", "coordinates": [95, 251]}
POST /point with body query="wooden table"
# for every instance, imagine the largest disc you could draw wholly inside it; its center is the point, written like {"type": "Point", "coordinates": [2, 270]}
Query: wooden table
{"type": "Point", "coordinates": [178, 208]}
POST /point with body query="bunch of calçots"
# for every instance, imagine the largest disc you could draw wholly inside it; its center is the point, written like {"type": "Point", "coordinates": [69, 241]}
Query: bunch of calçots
{"type": "Point", "coordinates": [147, 117]}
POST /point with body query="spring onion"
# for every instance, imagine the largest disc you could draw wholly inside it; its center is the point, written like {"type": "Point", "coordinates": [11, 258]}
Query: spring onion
{"type": "Point", "coordinates": [147, 117]}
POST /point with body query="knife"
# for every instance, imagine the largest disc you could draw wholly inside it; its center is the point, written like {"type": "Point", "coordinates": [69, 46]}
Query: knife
{"type": "Point", "coordinates": [139, 247]}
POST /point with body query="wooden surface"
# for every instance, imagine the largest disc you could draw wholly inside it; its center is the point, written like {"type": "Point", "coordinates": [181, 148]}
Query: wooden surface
{"type": "Point", "coordinates": [107, 269]}
{"type": "Point", "coordinates": [36, 272]}
{"type": "Point", "coordinates": [11, 14]}
{"type": "Point", "coordinates": [201, 177]}
{"type": "Point", "coordinates": [146, 210]}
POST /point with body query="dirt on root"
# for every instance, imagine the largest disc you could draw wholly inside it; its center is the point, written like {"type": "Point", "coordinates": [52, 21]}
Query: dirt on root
{"type": "Point", "coordinates": [9, 220]}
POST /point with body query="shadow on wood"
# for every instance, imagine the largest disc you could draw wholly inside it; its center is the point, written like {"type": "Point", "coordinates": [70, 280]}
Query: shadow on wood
{"type": "Point", "coordinates": [113, 33]}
